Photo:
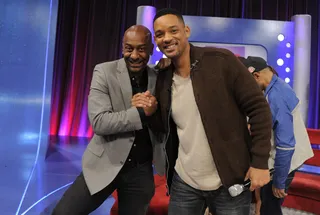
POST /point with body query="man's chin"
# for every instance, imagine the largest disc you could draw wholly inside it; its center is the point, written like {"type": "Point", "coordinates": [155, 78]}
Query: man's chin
{"type": "Point", "coordinates": [135, 69]}
{"type": "Point", "coordinates": [172, 54]}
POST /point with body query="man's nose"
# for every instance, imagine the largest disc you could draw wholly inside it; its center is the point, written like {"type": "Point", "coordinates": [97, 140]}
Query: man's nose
{"type": "Point", "coordinates": [134, 55]}
{"type": "Point", "coordinates": [167, 38]}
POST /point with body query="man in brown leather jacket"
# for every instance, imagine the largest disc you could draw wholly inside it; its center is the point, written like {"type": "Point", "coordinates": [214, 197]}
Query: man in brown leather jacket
{"type": "Point", "coordinates": [203, 99]}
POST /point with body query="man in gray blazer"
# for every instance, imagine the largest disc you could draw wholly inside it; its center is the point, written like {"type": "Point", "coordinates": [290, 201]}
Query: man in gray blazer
{"type": "Point", "coordinates": [120, 154]}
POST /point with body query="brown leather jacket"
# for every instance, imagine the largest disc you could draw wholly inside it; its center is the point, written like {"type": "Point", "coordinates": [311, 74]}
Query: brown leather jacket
{"type": "Point", "coordinates": [225, 93]}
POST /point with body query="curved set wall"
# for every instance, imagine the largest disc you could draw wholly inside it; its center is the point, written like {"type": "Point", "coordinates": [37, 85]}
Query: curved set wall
{"type": "Point", "coordinates": [287, 43]}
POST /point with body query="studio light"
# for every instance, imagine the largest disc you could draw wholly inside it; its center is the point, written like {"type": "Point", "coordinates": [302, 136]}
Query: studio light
{"type": "Point", "coordinates": [280, 62]}
{"type": "Point", "coordinates": [280, 37]}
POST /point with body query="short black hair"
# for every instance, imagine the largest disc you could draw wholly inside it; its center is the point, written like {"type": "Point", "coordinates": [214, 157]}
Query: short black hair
{"type": "Point", "coordinates": [168, 11]}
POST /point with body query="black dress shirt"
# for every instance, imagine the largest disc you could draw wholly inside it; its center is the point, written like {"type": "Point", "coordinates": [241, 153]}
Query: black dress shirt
{"type": "Point", "coordinates": [141, 151]}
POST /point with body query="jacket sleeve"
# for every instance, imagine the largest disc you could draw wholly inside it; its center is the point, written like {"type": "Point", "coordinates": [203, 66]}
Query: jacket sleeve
{"type": "Point", "coordinates": [284, 139]}
{"type": "Point", "coordinates": [252, 102]}
{"type": "Point", "coordinates": [103, 119]}
{"type": "Point", "coordinates": [155, 121]}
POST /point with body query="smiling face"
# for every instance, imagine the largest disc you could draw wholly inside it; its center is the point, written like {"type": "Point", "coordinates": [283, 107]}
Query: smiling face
{"type": "Point", "coordinates": [171, 35]}
{"type": "Point", "coordinates": [137, 48]}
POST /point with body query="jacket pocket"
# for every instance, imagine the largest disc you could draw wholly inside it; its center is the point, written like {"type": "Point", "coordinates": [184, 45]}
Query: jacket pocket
{"type": "Point", "coordinates": [96, 149]}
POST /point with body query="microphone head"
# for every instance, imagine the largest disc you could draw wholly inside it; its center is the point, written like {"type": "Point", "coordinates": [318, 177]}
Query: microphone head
{"type": "Point", "coordinates": [236, 190]}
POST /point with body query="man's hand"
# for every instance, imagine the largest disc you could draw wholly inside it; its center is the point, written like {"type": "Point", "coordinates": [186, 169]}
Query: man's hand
{"type": "Point", "coordinates": [163, 63]}
{"type": "Point", "coordinates": [258, 177]}
{"type": "Point", "coordinates": [146, 101]}
{"type": "Point", "coordinates": [141, 100]}
{"type": "Point", "coordinates": [279, 193]}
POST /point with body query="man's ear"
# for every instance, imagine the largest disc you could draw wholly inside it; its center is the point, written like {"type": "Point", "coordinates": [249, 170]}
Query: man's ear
{"type": "Point", "coordinates": [256, 75]}
{"type": "Point", "coordinates": [187, 31]}
{"type": "Point", "coordinates": [122, 50]}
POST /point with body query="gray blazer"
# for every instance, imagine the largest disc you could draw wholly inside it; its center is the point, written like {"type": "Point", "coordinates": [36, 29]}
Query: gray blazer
{"type": "Point", "coordinates": [114, 121]}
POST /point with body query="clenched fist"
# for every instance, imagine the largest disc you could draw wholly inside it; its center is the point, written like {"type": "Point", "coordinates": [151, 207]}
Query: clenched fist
{"type": "Point", "coordinates": [146, 101]}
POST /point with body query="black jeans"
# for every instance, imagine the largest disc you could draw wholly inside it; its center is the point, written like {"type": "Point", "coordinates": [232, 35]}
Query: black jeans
{"type": "Point", "coordinates": [185, 200]}
{"type": "Point", "coordinates": [134, 184]}
{"type": "Point", "coordinates": [271, 205]}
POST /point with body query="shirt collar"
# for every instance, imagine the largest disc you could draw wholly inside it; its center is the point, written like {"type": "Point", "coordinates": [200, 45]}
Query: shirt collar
{"type": "Point", "coordinates": [269, 87]}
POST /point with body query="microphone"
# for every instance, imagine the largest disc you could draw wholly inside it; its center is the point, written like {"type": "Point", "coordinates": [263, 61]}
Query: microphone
{"type": "Point", "coordinates": [194, 64]}
{"type": "Point", "coordinates": [237, 189]}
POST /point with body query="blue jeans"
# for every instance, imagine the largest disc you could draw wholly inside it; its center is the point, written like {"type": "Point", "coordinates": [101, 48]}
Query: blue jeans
{"type": "Point", "coordinates": [185, 200]}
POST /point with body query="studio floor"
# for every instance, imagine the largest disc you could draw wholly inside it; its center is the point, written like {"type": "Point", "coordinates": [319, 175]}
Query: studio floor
{"type": "Point", "coordinates": [36, 191]}
{"type": "Point", "coordinates": [29, 191]}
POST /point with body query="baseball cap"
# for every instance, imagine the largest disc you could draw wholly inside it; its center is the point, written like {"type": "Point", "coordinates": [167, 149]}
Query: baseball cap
{"type": "Point", "coordinates": [242, 60]}
{"type": "Point", "coordinates": [254, 64]}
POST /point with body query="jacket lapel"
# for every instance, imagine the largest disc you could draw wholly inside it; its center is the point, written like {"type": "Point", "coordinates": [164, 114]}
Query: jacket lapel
{"type": "Point", "coordinates": [152, 78]}
{"type": "Point", "coordinates": [196, 55]}
{"type": "Point", "coordinates": [124, 82]}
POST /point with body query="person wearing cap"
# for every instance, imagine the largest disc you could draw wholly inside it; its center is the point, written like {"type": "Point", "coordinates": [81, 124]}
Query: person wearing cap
{"type": "Point", "coordinates": [290, 145]}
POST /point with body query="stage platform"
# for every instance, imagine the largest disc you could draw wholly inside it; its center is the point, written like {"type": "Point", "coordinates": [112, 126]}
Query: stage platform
{"type": "Point", "coordinates": [53, 174]}
{"type": "Point", "coordinates": [23, 193]}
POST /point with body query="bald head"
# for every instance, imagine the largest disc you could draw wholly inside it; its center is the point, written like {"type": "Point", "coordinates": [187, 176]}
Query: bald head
{"type": "Point", "coordinates": [139, 30]}
{"type": "Point", "coordinates": [137, 47]}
